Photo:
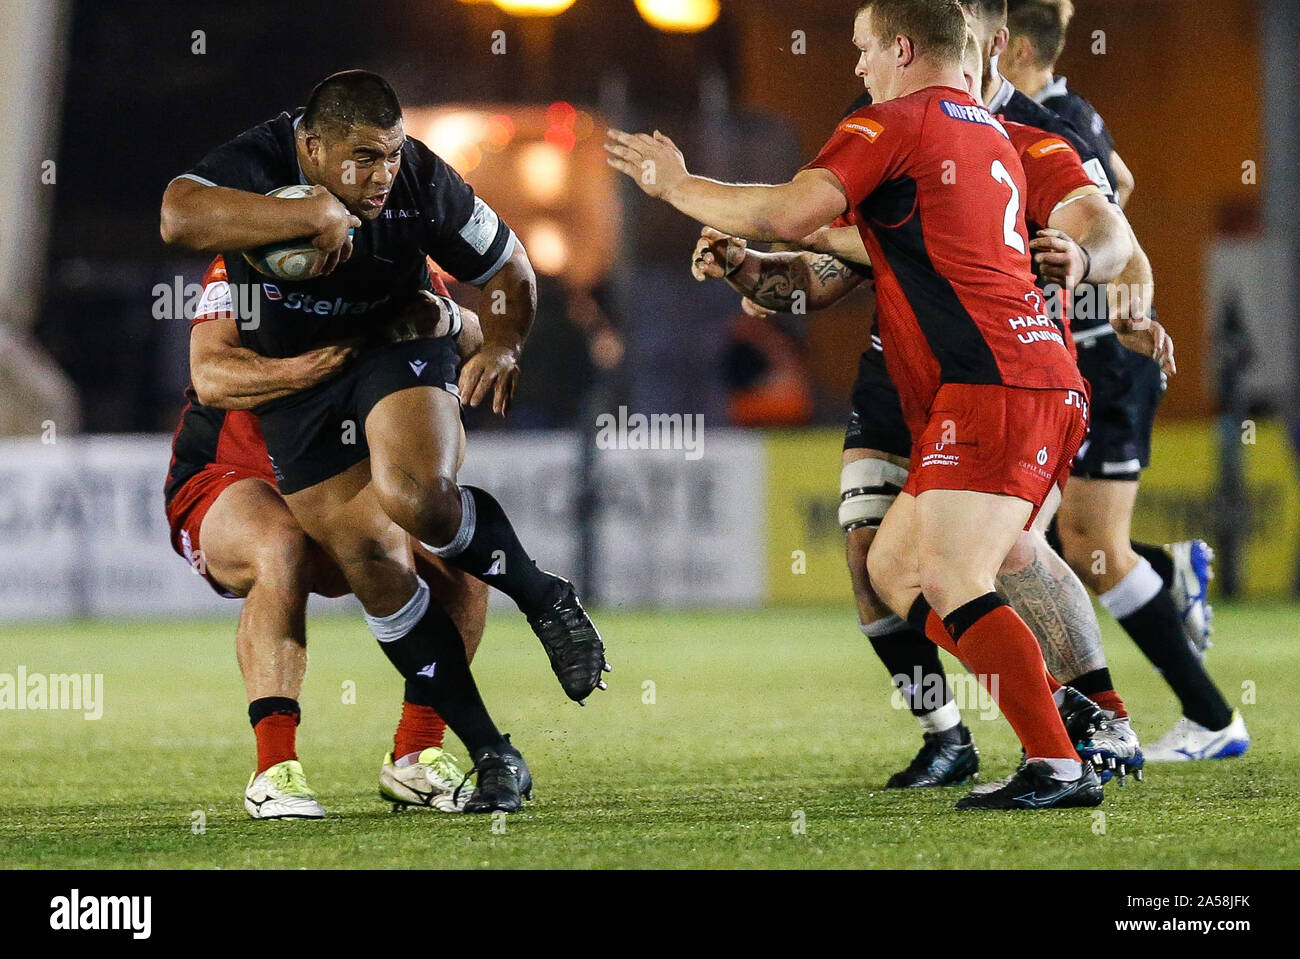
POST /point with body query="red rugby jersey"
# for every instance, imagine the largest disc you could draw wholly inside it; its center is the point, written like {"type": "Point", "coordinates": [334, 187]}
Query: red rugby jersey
{"type": "Point", "coordinates": [938, 192]}
{"type": "Point", "coordinates": [1052, 167]}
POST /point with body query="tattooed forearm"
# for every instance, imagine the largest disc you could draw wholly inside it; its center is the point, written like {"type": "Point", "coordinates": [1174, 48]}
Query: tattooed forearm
{"type": "Point", "coordinates": [797, 282]}
{"type": "Point", "coordinates": [828, 269]}
{"type": "Point", "coordinates": [778, 285]}
{"type": "Point", "coordinates": [1056, 606]}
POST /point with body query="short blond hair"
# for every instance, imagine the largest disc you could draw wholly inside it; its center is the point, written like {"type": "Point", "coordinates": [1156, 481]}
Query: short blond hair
{"type": "Point", "coordinates": [937, 28]}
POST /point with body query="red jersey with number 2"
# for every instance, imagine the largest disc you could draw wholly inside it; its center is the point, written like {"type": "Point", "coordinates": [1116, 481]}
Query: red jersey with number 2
{"type": "Point", "coordinates": [936, 189]}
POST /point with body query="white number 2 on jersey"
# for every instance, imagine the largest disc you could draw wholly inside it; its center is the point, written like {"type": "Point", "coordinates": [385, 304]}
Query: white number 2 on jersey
{"type": "Point", "coordinates": [1009, 235]}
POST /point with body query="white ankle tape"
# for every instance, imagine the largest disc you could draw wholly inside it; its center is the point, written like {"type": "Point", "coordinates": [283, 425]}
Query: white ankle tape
{"type": "Point", "coordinates": [395, 626]}
{"type": "Point", "coordinates": [1134, 591]}
{"type": "Point", "coordinates": [464, 534]}
{"type": "Point", "coordinates": [941, 719]}
{"type": "Point", "coordinates": [882, 627]}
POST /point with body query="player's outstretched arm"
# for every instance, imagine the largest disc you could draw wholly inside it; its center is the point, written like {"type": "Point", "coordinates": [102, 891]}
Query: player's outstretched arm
{"type": "Point", "coordinates": [214, 219]}
{"type": "Point", "coordinates": [228, 376]}
{"type": "Point", "coordinates": [784, 282]}
{"type": "Point", "coordinates": [786, 213]}
{"type": "Point", "coordinates": [1087, 239]}
{"type": "Point", "coordinates": [511, 304]}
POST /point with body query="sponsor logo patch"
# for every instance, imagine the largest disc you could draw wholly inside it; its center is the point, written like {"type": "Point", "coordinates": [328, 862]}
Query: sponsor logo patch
{"type": "Point", "coordinates": [1047, 146]}
{"type": "Point", "coordinates": [481, 228]}
{"type": "Point", "coordinates": [970, 113]}
{"type": "Point", "coordinates": [863, 127]}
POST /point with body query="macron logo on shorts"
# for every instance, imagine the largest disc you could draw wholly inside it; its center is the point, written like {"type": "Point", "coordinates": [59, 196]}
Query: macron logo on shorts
{"type": "Point", "coordinates": [1042, 456]}
{"type": "Point", "coordinates": [417, 366]}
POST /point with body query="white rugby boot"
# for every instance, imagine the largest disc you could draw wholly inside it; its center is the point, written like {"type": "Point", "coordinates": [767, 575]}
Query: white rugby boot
{"type": "Point", "coordinates": [281, 792]}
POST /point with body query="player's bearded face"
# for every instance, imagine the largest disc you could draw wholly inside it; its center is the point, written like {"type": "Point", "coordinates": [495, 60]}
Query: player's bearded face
{"type": "Point", "coordinates": [358, 166]}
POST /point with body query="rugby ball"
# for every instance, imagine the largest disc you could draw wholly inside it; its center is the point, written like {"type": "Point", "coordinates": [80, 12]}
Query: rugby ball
{"type": "Point", "coordinates": [291, 259]}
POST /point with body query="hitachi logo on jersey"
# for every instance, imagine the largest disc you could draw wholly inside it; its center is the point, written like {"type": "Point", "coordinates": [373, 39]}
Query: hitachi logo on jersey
{"type": "Point", "coordinates": [335, 307]}
{"type": "Point", "coordinates": [972, 114]}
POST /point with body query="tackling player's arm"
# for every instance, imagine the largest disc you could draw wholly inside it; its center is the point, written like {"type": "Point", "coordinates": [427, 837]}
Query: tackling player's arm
{"type": "Point", "coordinates": [775, 281]}
{"type": "Point", "coordinates": [216, 218]}
{"type": "Point", "coordinates": [228, 376]}
{"type": "Point", "coordinates": [1087, 239]}
{"type": "Point", "coordinates": [787, 212]}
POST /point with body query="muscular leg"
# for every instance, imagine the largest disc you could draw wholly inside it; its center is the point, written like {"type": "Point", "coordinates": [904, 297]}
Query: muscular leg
{"type": "Point", "coordinates": [415, 484]}
{"type": "Point", "coordinates": [1054, 604]}
{"type": "Point", "coordinates": [344, 515]}
{"type": "Point", "coordinates": [1094, 527]}
{"type": "Point", "coordinates": [252, 546]}
{"type": "Point", "coordinates": [1050, 598]}
{"type": "Point", "coordinates": [945, 547]}
{"type": "Point", "coordinates": [911, 659]}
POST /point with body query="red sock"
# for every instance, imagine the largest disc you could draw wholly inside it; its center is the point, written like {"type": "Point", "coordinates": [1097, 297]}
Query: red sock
{"type": "Point", "coordinates": [419, 728]}
{"type": "Point", "coordinates": [995, 642]}
{"type": "Point", "coordinates": [276, 740]}
{"type": "Point", "coordinates": [1052, 684]}
{"type": "Point", "coordinates": [935, 632]}
{"type": "Point", "coordinates": [1109, 699]}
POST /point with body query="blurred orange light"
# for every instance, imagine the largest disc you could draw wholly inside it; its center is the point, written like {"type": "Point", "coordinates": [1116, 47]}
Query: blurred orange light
{"type": "Point", "coordinates": [534, 8]}
{"type": "Point", "coordinates": [500, 131]}
{"type": "Point", "coordinates": [547, 248]}
{"type": "Point", "coordinates": [543, 172]}
{"type": "Point", "coordinates": [679, 16]}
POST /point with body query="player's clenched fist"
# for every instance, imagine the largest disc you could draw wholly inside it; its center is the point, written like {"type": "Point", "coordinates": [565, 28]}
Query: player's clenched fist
{"type": "Point", "coordinates": [335, 226]}
{"type": "Point", "coordinates": [654, 162]}
{"type": "Point", "coordinates": [1058, 258]}
{"type": "Point", "coordinates": [717, 255]}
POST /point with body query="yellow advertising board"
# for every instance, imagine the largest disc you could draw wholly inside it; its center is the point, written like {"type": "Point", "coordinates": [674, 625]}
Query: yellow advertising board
{"type": "Point", "coordinates": [1178, 500]}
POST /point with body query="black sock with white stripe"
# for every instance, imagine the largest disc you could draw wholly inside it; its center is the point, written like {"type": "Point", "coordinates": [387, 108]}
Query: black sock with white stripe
{"type": "Point", "coordinates": [486, 547]}
{"type": "Point", "coordinates": [1146, 610]}
{"type": "Point", "coordinates": [421, 640]}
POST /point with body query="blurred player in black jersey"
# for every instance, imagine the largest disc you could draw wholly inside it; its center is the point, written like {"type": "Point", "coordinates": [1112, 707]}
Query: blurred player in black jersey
{"type": "Point", "coordinates": [1158, 595]}
{"type": "Point", "coordinates": [370, 456]}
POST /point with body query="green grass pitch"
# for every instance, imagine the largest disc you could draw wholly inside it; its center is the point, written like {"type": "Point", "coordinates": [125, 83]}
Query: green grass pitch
{"type": "Point", "coordinates": [727, 739]}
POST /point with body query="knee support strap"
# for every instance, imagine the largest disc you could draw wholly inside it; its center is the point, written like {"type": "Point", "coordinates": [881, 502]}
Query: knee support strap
{"type": "Point", "coordinates": [868, 487]}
